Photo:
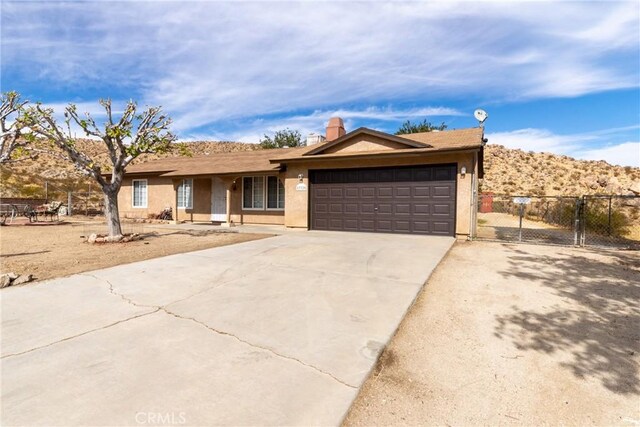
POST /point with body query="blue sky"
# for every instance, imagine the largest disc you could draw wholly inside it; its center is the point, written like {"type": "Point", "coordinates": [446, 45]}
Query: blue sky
{"type": "Point", "coordinates": [561, 77]}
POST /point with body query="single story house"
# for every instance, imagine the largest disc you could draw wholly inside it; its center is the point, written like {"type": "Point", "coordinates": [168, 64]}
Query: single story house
{"type": "Point", "coordinates": [364, 180]}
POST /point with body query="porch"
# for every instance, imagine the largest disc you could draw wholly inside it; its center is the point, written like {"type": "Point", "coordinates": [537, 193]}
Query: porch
{"type": "Point", "coordinates": [222, 200]}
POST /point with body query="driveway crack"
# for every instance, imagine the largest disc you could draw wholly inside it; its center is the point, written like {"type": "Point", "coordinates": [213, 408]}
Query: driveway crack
{"type": "Point", "coordinates": [124, 298]}
{"type": "Point", "coordinates": [79, 335]}
{"type": "Point", "coordinates": [270, 350]}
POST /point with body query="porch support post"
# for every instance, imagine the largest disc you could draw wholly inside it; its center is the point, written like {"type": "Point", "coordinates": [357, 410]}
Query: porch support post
{"type": "Point", "coordinates": [229, 205]}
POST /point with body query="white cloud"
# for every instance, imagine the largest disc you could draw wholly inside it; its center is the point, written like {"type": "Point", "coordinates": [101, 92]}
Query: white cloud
{"type": "Point", "coordinates": [211, 62]}
{"type": "Point", "coordinates": [587, 146]}
{"type": "Point", "coordinates": [252, 131]}
{"type": "Point", "coordinates": [625, 154]}
{"type": "Point", "coordinates": [539, 140]}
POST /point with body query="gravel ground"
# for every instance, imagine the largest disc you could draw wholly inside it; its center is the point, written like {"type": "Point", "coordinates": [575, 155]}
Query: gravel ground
{"type": "Point", "coordinates": [49, 251]}
{"type": "Point", "coordinates": [514, 335]}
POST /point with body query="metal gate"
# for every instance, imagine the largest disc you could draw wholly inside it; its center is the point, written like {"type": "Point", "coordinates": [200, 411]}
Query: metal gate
{"type": "Point", "coordinates": [603, 221]}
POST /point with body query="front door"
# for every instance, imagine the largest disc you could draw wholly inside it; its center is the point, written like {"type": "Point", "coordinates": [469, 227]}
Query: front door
{"type": "Point", "coordinates": [218, 200]}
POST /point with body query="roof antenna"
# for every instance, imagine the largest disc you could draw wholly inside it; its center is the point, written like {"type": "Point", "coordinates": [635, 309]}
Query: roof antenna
{"type": "Point", "coordinates": [481, 116]}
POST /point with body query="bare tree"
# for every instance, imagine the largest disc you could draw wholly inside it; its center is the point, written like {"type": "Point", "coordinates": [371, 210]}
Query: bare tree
{"type": "Point", "coordinates": [12, 147]}
{"type": "Point", "coordinates": [125, 139]}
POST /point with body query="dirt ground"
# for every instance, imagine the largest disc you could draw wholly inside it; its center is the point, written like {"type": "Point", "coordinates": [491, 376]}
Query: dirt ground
{"type": "Point", "coordinates": [508, 334]}
{"type": "Point", "coordinates": [60, 250]}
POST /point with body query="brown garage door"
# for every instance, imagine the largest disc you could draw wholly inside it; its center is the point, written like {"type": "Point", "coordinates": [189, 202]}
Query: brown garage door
{"type": "Point", "coordinates": [416, 199]}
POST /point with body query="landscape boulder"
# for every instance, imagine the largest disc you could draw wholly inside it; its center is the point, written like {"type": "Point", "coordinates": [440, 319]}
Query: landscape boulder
{"type": "Point", "coordinates": [23, 278]}
{"type": "Point", "coordinates": [5, 281]}
{"type": "Point", "coordinates": [12, 279]}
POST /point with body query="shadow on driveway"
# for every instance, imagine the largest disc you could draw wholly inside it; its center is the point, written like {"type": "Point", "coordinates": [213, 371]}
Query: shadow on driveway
{"type": "Point", "coordinates": [600, 325]}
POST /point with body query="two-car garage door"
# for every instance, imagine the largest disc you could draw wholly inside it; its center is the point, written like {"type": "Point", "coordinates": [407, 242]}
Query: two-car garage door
{"type": "Point", "coordinates": [415, 199]}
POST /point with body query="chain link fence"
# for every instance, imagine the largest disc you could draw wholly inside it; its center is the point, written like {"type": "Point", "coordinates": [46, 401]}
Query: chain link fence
{"type": "Point", "coordinates": [608, 221]}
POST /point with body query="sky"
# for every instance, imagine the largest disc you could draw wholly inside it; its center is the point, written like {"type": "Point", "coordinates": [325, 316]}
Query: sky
{"type": "Point", "coordinates": [560, 77]}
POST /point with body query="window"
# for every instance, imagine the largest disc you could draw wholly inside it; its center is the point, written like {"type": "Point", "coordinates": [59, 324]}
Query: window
{"type": "Point", "coordinates": [139, 193]}
{"type": "Point", "coordinates": [275, 193]}
{"type": "Point", "coordinates": [255, 188]}
{"type": "Point", "coordinates": [253, 192]}
{"type": "Point", "coordinates": [185, 194]}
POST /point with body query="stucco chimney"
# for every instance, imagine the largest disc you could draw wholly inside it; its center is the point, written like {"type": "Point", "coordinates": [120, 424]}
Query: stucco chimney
{"type": "Point", "coordinates": [314, 138]}
{"type": "Point", "coordinates": [335, 128]}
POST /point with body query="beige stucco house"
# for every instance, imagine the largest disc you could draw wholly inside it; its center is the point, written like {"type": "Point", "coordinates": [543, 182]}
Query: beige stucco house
{"type": "Point", "coordinates": [364, 180]}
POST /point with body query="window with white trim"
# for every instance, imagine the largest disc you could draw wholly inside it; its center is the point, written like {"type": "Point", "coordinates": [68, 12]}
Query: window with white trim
{"type": "Point", "coordinates": [139, 199]}
{"type": "Point", "coordinates": [253, 192]}
{"type": "Point", "coordinates": [260, 193]}
{"type": "Point", "coordinates": [275, 193]}
{"type": "Point", "coordinates": [185, 194]}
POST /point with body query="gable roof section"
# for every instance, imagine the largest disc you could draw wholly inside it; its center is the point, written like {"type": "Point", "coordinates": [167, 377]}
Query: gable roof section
{"type": "Point", "coordinates": [424, 142]}
{"type": "Point", "coordinates": [364, 131]}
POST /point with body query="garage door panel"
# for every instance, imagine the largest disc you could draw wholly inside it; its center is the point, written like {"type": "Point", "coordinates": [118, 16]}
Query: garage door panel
{"type": "Point", "coordinates": [320, 208]}
{"type": "Point", "coordinates": [351, 208]}
{"type": "Point", "coordinates": [441, 227]}
{"type": "Point", "coordinates": [402, 226]}
{"type": "Point", "coordinates": [421, 227]}
{"type": "Point", "coordinates": [335, 208]}
{"type": "Point", "coordinates": [417, 199]}
{"type": "Point", "coordinates": [403, 208]}
{"type": "Point", "coordinates": [385, 208]}
{"type": "Point", "coordinates": [336, 192]}
{"type": "Point", "coordinates": [442, 209]}
{"type": "Point", "coordinates": [421, 209]}
{"type": "Point", "coordinates": [402, 192]}
{"type": "Point", "coordinates": [351, 224]}
{"type": "Point", "coordinates": [351, 193]}
{"type": "Point", "coordinates": [440, 191]}
{"type": "Point", "coordinates": [385, 192]}
{"type": "Point", "coordinates": [421, 192]}
{"type": "Point", "coordinates": [367, 225]}
{"type": "Point", "coordinates": [367, 208]}
{"type": "Point", "coordinates": [321, 193]}
{"type": "Point", "coordinates": [368, 192]}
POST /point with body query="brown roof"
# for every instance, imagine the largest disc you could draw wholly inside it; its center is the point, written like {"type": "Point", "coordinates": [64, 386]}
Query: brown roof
{"type": "Point", "coordinates": [270, 160]}
{"type": "Point", "coordinates": [216, 164]}
{"type": "Point", "coordinates": [446, 140]}
{"type": "Point", "coordinates": [449, 139]}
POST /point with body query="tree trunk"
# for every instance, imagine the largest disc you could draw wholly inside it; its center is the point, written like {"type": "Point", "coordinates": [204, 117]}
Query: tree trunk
{"type": "Point", "coordinates": [111, 212]}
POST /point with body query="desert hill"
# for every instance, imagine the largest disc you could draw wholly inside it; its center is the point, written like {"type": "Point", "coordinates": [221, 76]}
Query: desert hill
{"type": "Point", "coordinates": [507, 171]}
{"type": "Point", "coordinates": [510, 171]}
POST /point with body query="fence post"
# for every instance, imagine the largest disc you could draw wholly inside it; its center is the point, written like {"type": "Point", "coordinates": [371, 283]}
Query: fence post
{"type": "Point", "coordinates": [520, 228]}
{"type": "Point", "coordinates": [609, 224]}
{"type": "Point", "coordinates": [69, 207]}
{"type": "Point", "coordinates": [576, 225]}
{"type": "Point", "coordinates": [583, 220]}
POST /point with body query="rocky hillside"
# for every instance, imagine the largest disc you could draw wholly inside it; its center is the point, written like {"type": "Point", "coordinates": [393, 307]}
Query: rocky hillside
{"type": "Point", "coordinates": [27, 178]}
{"type": "Point", "coordinates": [507, 171]}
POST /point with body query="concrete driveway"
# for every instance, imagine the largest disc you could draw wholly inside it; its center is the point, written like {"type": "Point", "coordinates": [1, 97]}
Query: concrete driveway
{"type": "Point", "coordinates": [279, 331]}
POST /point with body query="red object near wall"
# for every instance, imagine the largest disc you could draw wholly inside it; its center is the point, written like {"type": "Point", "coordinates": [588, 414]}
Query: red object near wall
{"type": "Point", "coordinates": [486, 205]}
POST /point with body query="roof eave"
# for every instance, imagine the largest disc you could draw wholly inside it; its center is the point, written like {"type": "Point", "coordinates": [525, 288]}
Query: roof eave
{"type": "Point", "coordinates": [364, 155]}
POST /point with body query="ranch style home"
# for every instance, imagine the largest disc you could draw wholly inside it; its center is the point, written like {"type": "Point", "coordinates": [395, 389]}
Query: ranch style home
{"type": "Point", "coordinates": [364, 180]}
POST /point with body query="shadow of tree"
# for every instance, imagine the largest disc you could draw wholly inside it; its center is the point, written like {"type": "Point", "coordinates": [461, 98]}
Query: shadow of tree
{"type": "Point", "coordinates": [599, 328]}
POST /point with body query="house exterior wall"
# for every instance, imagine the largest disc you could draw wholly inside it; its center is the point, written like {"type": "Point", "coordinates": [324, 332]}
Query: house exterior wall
{"type": "Point", "coordinates": [297, 202]}
{"type": "Point", "coordinates": [364, 143]}
{"type": "Point", "coordinates": [160, 194]}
